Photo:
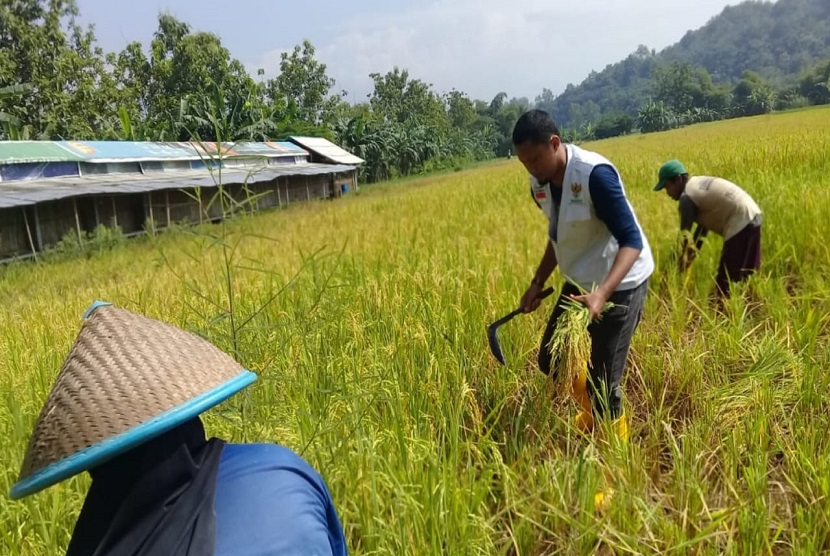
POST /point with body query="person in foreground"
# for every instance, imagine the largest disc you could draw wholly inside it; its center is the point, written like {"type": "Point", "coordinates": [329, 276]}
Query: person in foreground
{"type": "Point", "coordinates": [718, 205]}
{"type": "Point", "coordinates": [125, 407]}
{"type": "Point", "coordinates": [595, 239]}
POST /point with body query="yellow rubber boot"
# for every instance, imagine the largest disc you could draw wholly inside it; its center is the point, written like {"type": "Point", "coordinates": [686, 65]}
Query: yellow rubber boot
{"type": "Point", "coordinates": [579, 390]}
{"type": "Point", "coordinates": [620, 427]}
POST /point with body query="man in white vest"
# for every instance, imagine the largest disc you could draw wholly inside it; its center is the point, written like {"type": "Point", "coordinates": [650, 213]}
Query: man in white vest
{"type": "Point", "coordinates": [599, 246]}
{"type": "Point", "coordinates": [717, 205]}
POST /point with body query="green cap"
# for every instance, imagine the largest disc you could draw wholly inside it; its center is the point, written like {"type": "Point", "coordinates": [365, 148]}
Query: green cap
{"type": "Point", "coordinates": [669, 171]}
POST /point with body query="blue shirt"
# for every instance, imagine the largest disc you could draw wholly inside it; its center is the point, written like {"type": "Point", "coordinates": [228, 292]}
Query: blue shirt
{"type": "Point", "coordinates": [610, 205]}
{"type": "Point", "coordinates": [269, 501]}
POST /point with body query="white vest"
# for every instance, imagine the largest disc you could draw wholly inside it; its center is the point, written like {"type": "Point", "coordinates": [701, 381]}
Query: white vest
{"type": "Point", "coordinates": [585, 249]}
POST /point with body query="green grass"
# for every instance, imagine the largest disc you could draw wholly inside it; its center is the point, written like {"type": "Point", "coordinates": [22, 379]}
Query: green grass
{"type": "Point", "coordinates": [365, 320]}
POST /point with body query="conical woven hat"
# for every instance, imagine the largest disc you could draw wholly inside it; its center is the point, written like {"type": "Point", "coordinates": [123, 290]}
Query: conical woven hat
{"type": "Point", "coordinates": [127, 379]}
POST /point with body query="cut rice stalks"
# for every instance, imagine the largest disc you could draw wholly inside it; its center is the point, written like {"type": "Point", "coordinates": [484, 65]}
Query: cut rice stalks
{"type": "Point", "coordinates": [570, 346]}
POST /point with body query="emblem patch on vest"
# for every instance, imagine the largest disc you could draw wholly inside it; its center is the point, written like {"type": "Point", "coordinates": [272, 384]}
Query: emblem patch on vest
{"type": "Point", "coordinates": [541, 195]}
{"type": "Point", "coordinates": [576, 192]}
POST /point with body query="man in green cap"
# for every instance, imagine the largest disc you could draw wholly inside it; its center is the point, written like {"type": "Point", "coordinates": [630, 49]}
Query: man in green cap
{"type": "Point", "coordinates": [717, 205]}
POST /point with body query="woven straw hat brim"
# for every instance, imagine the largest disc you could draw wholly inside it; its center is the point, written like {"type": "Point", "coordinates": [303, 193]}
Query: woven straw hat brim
{"type": "Point", "coordinates": [126, 380]}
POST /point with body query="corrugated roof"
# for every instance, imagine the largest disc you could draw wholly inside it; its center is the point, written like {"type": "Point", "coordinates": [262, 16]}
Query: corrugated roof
{"type": "Point", "coordinates": [268, 148]}
{"type": "Point", "coordinates": [13, 152]}
{"type": "Point", "coordinates": [122, 151]}
{"type": "Point", "coordinates": [327, 149]}
{"type": "Point", "coordinates": [17, 152]}
{"type": "Point", "coordinates": [16, 194]}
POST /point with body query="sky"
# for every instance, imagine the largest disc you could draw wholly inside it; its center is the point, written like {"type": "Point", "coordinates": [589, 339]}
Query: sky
{"type": "Point", "coordinates": [480, 47]}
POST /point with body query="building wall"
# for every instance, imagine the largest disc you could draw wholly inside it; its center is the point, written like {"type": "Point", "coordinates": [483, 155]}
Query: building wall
{"type": "Point", "coordinates": [14, 239]}
{"type": "Point", "coordinates": [50, 221]}
{"type": "Point", "coordinates": [54, 219]}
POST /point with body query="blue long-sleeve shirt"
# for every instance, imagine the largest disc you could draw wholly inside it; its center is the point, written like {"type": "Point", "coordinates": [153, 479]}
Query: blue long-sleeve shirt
{"type": "Point", "coordinates": [270, 501]}
{"type": "Point", "coordinates": [610, 205]}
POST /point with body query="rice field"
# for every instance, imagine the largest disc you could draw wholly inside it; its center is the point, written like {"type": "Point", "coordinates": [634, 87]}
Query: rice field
{"type": "Point", "coordinates": [365, 320]}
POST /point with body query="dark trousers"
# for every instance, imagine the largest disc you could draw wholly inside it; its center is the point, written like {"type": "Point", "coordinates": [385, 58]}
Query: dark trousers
{"type": "Point", "coordinates": [610, 341]}
{"type": "Point", "coordinates": [741, 256]}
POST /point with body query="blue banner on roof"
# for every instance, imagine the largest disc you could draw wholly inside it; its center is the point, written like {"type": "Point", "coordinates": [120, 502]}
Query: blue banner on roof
{"type": "Point", "coordinates": [37, 170]}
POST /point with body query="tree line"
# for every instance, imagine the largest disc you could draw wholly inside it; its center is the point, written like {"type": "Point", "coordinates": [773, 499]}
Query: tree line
{"type": "Point", "coordinates": [684, 94]}
{"type": "Point", "coordinates": [57, 83]}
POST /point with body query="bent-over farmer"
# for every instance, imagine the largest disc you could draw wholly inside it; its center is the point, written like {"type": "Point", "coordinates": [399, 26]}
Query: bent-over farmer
{"type": "Point", "coordinates": [595, 239]}
{"type": "Point", "coordinates": [125, 407]}
{"type": "Point", "coordinates": [718, 205]}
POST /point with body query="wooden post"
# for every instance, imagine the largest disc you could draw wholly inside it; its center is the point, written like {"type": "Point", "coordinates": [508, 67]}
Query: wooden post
{"type": "Point", "coordinates": [199, 201]}
{"type": "Point", "coordinates": [97, 216]}
{"type": "Point", "coordinates": [167, 205]}
{"type": "Point", "coordinates": [114, 213]}
{"type": "Point", "coordinates": [279, 195]}
{"type": "Point", "coordinates": [307, 192]}
{"type": "Point", "coordinates": [150, 212]}
{"type": "Point", "coordinates": [77, 221]}
{"type": "Point", "coordinates": [29, 233]}
{"type": "Point", "coordinates": [38, 235]}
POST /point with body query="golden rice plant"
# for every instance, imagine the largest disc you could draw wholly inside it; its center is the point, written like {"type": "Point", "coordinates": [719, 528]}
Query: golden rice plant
{"type": "Point", "coordinates": [570, 346]}
{"type": "Point", "coordinates": [365, 320]}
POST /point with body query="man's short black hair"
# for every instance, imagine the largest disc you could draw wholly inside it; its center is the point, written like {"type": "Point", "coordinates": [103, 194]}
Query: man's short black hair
{"type": "Point", "coordinates": [534, 126]}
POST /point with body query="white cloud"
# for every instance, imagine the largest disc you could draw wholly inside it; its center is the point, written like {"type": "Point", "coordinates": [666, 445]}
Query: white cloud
{"type": "Point", "coordinates": [486, 46]}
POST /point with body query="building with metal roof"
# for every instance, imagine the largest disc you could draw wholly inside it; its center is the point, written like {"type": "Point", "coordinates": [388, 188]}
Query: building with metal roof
{"type": "Point", "coordinates": [323, 150]}
{"type": "Point", "coordinates": [51, 188]}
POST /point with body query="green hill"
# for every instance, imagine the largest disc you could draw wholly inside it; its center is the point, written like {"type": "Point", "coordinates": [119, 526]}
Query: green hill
{"type": "Point", "coordinates": [779, 41]}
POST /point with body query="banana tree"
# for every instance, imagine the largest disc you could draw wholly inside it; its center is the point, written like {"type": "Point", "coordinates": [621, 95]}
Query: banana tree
{"type": "Point", "coordinates": [12, 126]}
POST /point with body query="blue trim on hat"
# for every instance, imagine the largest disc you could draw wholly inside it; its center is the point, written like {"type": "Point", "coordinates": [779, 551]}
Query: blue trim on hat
{"type": "Point", "coordinates": [107, 449]}
{"type": "Point", "coordinates": [93, 307]}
